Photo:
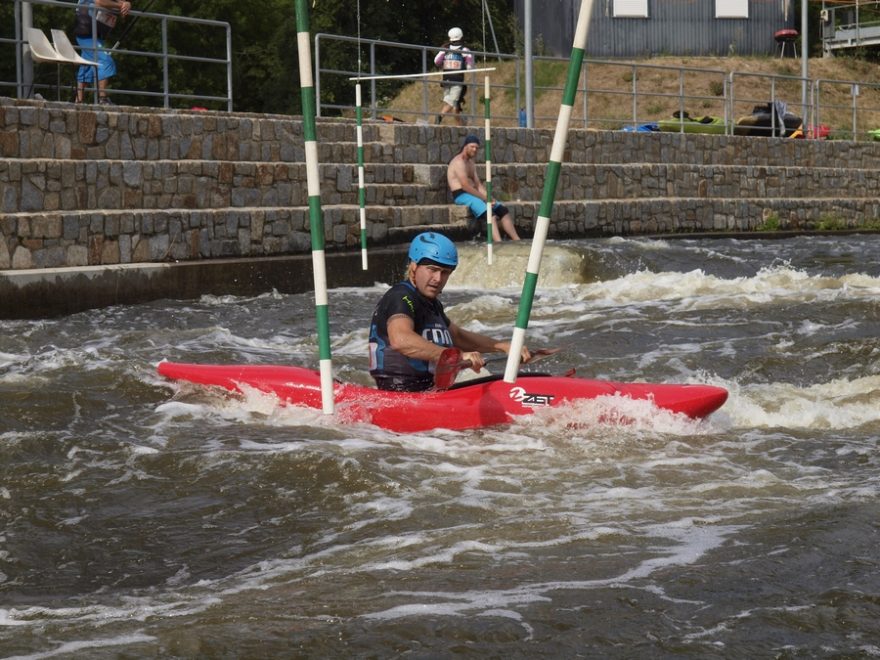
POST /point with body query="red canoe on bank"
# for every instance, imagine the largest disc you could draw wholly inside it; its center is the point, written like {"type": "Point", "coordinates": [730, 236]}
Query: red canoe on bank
{"type": "Point", "coordinates": [477, 403]}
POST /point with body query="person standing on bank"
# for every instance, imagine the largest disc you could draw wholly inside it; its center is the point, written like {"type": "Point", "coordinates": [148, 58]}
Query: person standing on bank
{"type": "Point", "coordinates": [409, 329]}
{"type": "Point", "coordinates": [467, 190]}
{"type": "Point", "coordinates": [106, 13]}
{"type": "Point", "coordinates": [454, 60]}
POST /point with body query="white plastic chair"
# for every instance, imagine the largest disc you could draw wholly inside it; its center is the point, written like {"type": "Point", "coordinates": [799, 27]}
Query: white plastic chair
{"type": "Point", "coordinates": [66, 50]}
{"type": "Point", "coordinates": [43, 51]}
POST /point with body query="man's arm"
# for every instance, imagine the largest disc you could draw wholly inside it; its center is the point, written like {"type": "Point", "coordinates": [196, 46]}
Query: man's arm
{"type": "Point", "coordinates": [122, 6]}
{"type": "Point", "coordinates": [468, 59]}
{"type": "Point", "coordinates": [475, 342]}
{"type": "Point", "coordinates": [467, 340]}
{"type": "Point", "coordinates": [406, 341]}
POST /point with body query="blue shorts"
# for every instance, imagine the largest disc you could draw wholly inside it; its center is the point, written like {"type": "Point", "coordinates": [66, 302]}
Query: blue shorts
{"type": "Point", "coordinates": [106, 65]}
{"type": "Point", "coordinates": [478, 206]}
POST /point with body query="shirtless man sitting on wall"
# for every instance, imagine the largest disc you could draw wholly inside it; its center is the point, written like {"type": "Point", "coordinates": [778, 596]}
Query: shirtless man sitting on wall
{"type": "Point", "coordinates": [468, 190]}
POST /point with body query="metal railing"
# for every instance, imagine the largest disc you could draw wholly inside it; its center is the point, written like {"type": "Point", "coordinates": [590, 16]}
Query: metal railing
{"type": "Point", "coordinates": [864, 118]}
{"type": "Point", "coordinates": [851, 25]}
{"type": "Point", "coordinates": [646, 94]}
{"type": "Point", "coordinates": [649, 90]}
{"type": "Point", "coordinates": [164, 56]}
{"type": "Point", "coordinates": [375, 102]}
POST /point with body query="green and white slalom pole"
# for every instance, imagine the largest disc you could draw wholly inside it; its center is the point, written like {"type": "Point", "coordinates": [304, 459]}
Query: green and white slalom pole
{"type": "Point", "coordinates": [316, 220]}
{"type": "Point", "coordinates": [551, 179]}
{"type": "Point", "coordinates": [490, 219]}
{"type": "Point", "coordinates": [362, 192]}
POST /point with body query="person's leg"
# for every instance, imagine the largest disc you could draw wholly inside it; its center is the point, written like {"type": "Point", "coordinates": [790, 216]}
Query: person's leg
{"type": "Point", "coordinates": [508, 227]}
{"type": "Point", "coordinates": [478, 209]}
{"type": "Point", "coordinates": [477, 225]}
{"type": "Point", "coordinates": [450, 102]}
{"type": "Point", "coordinates": [85, 75]}
{"type": "Point", "coordinates": [106, 70]}
{"type": "Point", "coordinates": [445, 110]}
{"type": "Point", "coordinates": [502, 216]}
{"type": "Point", "coordinates": [458, 103]}
{"type": "Point", "coordinates": [102, 91]}
{"type": "Point", "coordinates": [496, 237]}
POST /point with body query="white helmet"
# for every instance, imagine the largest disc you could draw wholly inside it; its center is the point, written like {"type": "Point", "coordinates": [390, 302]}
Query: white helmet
{"type": "Point", "coordinates": [455, 34]}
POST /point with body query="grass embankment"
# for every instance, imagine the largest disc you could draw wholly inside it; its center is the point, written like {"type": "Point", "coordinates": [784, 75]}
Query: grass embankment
{"type": "Point", "coordinates": [660, 83]}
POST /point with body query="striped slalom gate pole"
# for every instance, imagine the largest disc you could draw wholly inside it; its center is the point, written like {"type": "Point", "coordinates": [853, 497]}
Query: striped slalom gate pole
{"type": "Point", "coordinates": [542, 225]}
{"type": "Point", "coordinates": [490, 218]}
{"type": "Point", "coordinates": [424, 74]}
{"type": "Point", "coordinates": [362, 192]}
{"type": "Point", "coordinates": [316, 221]}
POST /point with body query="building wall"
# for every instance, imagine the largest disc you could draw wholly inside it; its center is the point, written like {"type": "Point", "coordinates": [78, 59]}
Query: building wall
{"type": "Point", "coordinates": [673, 27]}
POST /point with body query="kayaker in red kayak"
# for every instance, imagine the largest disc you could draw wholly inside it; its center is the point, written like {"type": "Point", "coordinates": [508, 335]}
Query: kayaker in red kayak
{"type": "Point", "coordinates": [409, 328]}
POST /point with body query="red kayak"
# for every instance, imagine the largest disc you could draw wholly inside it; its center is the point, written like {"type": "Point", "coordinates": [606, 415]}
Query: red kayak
{"type": "Point", "coordinates": [474, 404]}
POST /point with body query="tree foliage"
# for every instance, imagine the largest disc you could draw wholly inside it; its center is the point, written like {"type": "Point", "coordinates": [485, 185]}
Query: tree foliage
{"type": "Point", "coordinates": [265, 67]}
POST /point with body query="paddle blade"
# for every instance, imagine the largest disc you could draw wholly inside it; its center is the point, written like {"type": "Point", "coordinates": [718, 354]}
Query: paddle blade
{"type": "Point", "coordinates": [447, 368]}
{"type": "Point", "coordinates": [541, 353]}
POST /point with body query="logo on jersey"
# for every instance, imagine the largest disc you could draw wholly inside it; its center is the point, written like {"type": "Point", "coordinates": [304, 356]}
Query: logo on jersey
{"type": "Point", "coordinates": [531, 399]}
{"type": "Point", "coordinates": [439, 336]}
{"type": "Point", "coordinates": [450, 64]}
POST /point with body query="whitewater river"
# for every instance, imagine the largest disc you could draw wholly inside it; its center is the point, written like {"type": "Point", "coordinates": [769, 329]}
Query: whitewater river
{"type": "Point", "coordinates": [139, 518]}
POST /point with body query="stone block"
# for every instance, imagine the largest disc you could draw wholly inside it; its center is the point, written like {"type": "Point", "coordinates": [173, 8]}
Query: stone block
{"type": "Point", "coordinates": [5, 257]}
{"type": "Point", "coordinates": [124, 244]}
{"type": "Point", "coordinates": [21, 258]}
{"type": "Point", "coordinates": [141, 251]}
{"type": "Point", "coordinates": [31, 198]}
{"type": "Point", "coordinates": [110, 252]}
{"type": "Point", "coordinates": [159, 247]}
{"type": "Point", "coordinates": [52, 257]}
{"type": "Point", "coordinates": [133, 174]}
{"type": "Point", "coordinates": [9, 202]}
{"type": "Point", "coordinates": [9, 144]}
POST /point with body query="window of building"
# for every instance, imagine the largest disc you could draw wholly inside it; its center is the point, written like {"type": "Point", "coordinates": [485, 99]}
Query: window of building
{"type": "Point", "coordinates": [731, 8]}
{"type": "Point", "coordinates": [630, 8]}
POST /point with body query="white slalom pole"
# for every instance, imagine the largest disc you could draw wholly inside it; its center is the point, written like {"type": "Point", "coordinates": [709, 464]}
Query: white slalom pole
{"type": "Point", "coordinates": [546, 209]}
{"type": "Point", "coordinates": [319, 267]}
{"type": "Point", "coordinates": [426, 74]}
{"type": "Point", "coordinates": [362, 192]}
{"type": "Point", "coordinates": [490, 218]}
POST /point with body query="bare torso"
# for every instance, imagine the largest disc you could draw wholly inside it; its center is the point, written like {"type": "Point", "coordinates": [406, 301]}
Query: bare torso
{"type": "Point", "coordinates": [462, 175]}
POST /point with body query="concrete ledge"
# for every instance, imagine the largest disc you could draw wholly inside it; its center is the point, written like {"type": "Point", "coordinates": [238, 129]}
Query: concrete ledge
{"type": "Point", "coordinates": [46, 292]}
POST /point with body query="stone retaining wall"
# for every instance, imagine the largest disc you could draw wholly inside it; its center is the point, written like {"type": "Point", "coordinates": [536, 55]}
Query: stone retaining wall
{"type": "Point", "coordinates": [84, 186]}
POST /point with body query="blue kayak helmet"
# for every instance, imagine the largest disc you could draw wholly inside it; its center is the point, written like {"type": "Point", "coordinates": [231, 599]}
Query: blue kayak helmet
{"type": "Point", "coordinates": [433, 248]}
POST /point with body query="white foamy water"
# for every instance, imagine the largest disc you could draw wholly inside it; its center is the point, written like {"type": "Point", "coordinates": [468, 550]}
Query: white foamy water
{"type": "Point", "coordinates": [146, 519]}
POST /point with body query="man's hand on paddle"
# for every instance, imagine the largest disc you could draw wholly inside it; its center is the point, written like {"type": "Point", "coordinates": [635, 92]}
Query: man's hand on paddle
{"type": "Point", "coordinates": [478, 361]}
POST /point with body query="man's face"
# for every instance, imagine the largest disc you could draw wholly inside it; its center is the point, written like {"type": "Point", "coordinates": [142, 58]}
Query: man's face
{"type": "Point", "coordinates": [470, 150]}
{"type": "Point", "coordinates": [429, 280]}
